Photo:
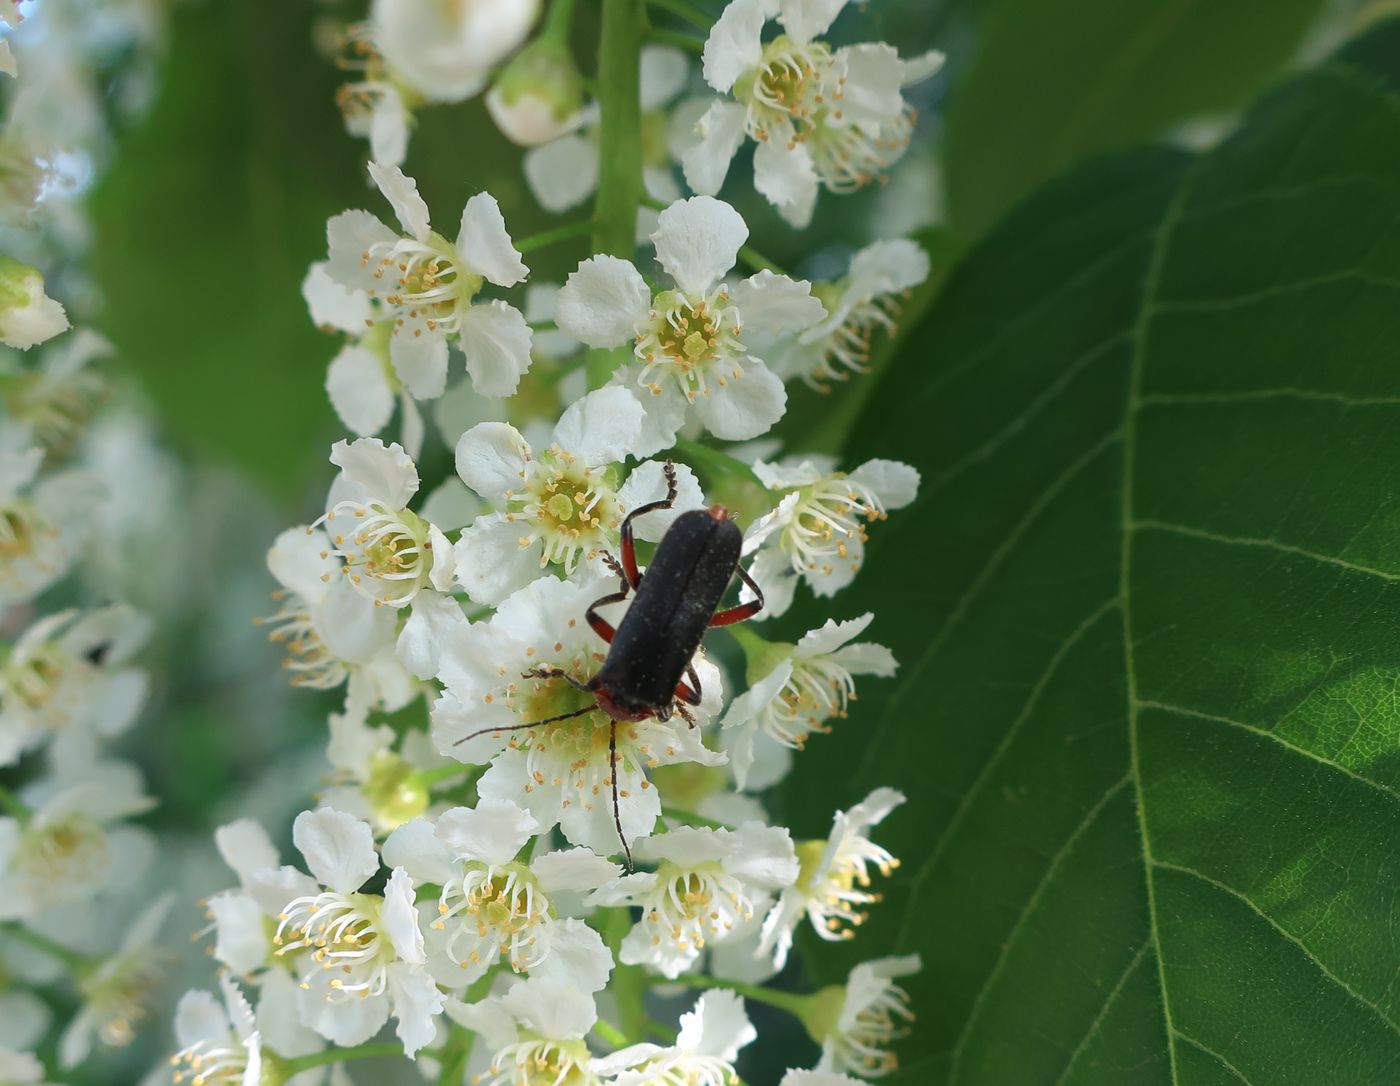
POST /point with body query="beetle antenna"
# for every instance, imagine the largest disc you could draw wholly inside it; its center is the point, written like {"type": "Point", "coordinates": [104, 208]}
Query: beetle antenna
{"type": "Point", "coordinates": [535, 724]}
{"type": "Point", "coordinates": [617, 809]}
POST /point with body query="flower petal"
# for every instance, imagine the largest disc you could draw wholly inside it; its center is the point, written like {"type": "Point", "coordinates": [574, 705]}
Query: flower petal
{"type": "Point", "coordinates": [433, 617]}
{"type": "Point", "coordinates": [417, 1003]}
{"type": "Point", "coordinates": [647, 483]}
{"type": "Point", "coordinates": [735, 44]}
{"type": "Point", "coordinates": [575, 955]}
{"type": "Point", "coordinates": [744, 406]}
{"type": "Point", "coordinates": [339, 850]}
{"type": "Point", "coordinates": [386, 472]}
{"type": "Point", "coordinates": [718, 1026]}
{"type": "Point", "coordinates": [917, 69]}
{"type": "Point", "coordinates": [562, 174]}
{"type": "Point", "coordinates": [388, 128]}
{"type": "Point", "coordinates": [399, 918]}
{"type": "Point", "coordinates": [888, 267]}
{"type": "Point", "coordinates": [573, 869]}
{"type": "Point", "coordinates": [787, 177]}
{"type": "Point", "coordinates": [485, 245]}
{"type": "Point", "coordinates": [894, 483]}
{"type": "Point", "coordinates": [600, 428]}
{"type": "Point", "coordinates": [402, 193]}
{"type": "Point", "coordinates": [776, 305]}
{"type": "Point", "coordinates": [603, 302]}
{"type": "Point", "coordinates": [806, 19]}
{"type": "Point", "coordinates": [496, 340]}
{"type": "Point", "coordinates": [721, 131]}
{"type": "Point", "coordinates": [359, 390]}
{"type": "Point", "coordinates": [492, 832]}
{"type": "Point", "coordinates": [332, 305]}
{"type": "Point", "coordinates": [866, 658]}
{"type": "Point", "coordinates": [245, 846]}
{"type": "Point", "coordinates": [491, 561]}
{"type": "Point", "coordinates": [664, 71]}
{"type": "Point", "coordinates": [697, 241]}
{"type": "Point", "coordinates": [492, 458]}
{"type": "Point", "coordinates": [300, 561]}
{"type": "Point", "coordinates": [831, 635]}
{"type": "Point", "coordinates": [350, 236]}
{"type": "Point", "coordinates": [874, 78]}
{"type": "Point", "coordinates": [421, 362]}
{"type": "Point", "coordinates": [414, 847]}
{"type": "Point", "coordinates": [763, 856]}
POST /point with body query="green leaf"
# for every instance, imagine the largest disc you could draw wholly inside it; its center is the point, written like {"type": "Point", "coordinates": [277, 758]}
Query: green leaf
{"type": "Point", "coordinates": [1052, 83]}
{"type": "Point", "coordinates": [1146, 608]}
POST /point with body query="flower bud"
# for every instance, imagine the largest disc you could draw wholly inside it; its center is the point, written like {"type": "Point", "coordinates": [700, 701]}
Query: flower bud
{"type": "Point", "coordinates": [538, 95]}
{"type": "Point", "coordinates": [27, 315]}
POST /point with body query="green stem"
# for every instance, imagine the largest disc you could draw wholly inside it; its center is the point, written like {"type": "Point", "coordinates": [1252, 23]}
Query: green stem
{"type": "Point", "coordinates": [559, 21]}
{"type": "Point", "coordinates": [610, 1033]}
{"type": "Point", "coordinates": [455, 1053]}
{"type": "Point", "coordinates": [441, 773]}
{"type": "Point", "coordinates": [752, 258]}
{"type": "Point", "coordinates": [544, 326]}
{"type": "Point", "coordinates": [687, 11]}
{"type": "Point", "coordinates": [629, 982]}
{"type": "Point", "coordinates": [619, 148]}
{"type": "Point", "coordinates": [716, 463]}
{"type": "Point", "coordinates": [339, 1055]}
{"type": "Point", "coordinates": [12, 805]}
{"type": "Point", "coordinates": [679, 38]}
{"type": "Point", "coordinates": [792, 1002]}
{"type": "Point", "coordinates": [551, 237]}
{"type": "Point", "coordinates": [78, 963]}
{"type": "Point", "coordinates": [693, 819]}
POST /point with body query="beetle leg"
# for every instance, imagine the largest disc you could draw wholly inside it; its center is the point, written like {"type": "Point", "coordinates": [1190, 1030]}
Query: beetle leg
{"type": "Point", "coordinates": [686, 714]}
{"type": "Point", "coordinates": [522, 727]}
{"type": "Point", "coordinates": [616, 567]}
{"type": "Point", "coordinates": [601, 626]}
{"type": "Point", "coordinates": [689, 695]}
{"type": "Point", "coordinates": [617, 807]}
{"type": "Point", "coordinates": [556, 673]}
{"type": "Point", "coordinates": [629, 547]}
{"type": "Point", "coordinates": [744, 610]}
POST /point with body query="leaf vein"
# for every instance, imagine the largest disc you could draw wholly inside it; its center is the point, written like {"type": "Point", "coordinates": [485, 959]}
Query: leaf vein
{"type": "Point", "coordinates": [1215, 1056]}
{"type": "Point", "coordinates": [1108, 1002]}
{"type": "Point", "coordinates": [1268, 544]}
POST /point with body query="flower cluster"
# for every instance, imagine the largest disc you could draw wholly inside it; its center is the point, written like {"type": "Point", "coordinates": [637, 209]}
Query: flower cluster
{"type": "Point", "coordinates": [569, 806]}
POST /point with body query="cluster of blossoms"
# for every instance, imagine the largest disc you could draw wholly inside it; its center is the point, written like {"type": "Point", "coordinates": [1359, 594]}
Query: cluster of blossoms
{"type": "Point", "coordinates": [487, 864]}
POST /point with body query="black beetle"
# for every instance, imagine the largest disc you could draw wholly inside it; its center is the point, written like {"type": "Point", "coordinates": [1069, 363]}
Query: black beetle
{"type": "Point", "coordinates": [652, 648]}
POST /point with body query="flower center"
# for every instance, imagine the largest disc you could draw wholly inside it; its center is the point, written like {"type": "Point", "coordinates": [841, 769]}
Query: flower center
{"type": "Point", "coordinates": [838, 896]}
{"type": "Point", "coordinates": [790, 86]}
{"type": "Point", "coordinates": [568, 505]}
{"type": "Point", "coordinates": [496, 910]}
{"type": "Point", "coordinates": [829, 522]}
{"type": "Point", "coordinates": [61, 857]}
{"type": "Point", "coordinates": [689, 1070]}
{"type": "Point", "coordinates": [692, 904]}
{"type": "Point", "coordinates": [35, 679]}
{"type": "Point", "coordinates": [848, 157]}
{"type": "Point", "coordinates": [342, 933]}
{"type": "Point", "coordinates": [690, 341]}
{"type": "Point", "coordinates": [209, 1063]}
{"type": "Point", "coordinates": [877, 1025]}
{"type": "Point", "coordinates": [21, 528]}
{"type": "Point", "coordinates": [423, 282]}
{"type": "Point", "coordinates": [308, 659]}
{"type": "Point", "coordinates": [119, 994]}
{"type": "Point", "coordinates": [539, 1063]}
{"type": "Point", "coordinates": [816, 691]}
{"type": "Point", "coordinates": [57, 412]}
{"type": "Point", "coordinates": [386, 553]}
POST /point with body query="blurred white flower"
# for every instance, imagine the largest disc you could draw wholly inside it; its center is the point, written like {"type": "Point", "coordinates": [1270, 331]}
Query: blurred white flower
{"type": "Point", "coordinates": [44, 522]}
{"type": "Point", "coordinates": [686, 340]}
{"type": "Point", "coordinates": [833, 886]}
{"type": "Point", "coordinates": [53, 401]}
{"type": "Point", "coordinates": [428, 284]}
{"type": "Point", "coordinates": [707, 884]}
{"type": "Point", "coordinates": [535, 1033]}
{"type": "Point", "coordinates": [372, 104]}
{"type": "Point", "coordinates": [539, 95]}
{"type": "Point", "coordinates": [808, 684]}
{"type": "Point", "coordinates": [445, 52]}
{"type": "Point", "coordinates": [28, 316]}
{"type": "Point", "coordinates": [817, 532]}
{"type": "Point", "coordinates": [219, 1043]}
{"type": "Point", "coordinates": [710, 1037]}
{"type": "Point", "coordinates": [20, 1068]}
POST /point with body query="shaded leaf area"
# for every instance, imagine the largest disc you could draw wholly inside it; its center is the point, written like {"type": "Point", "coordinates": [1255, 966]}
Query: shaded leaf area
{"type": "Point", "coordinates": [1053, 83]}
{"type": "Point", "coordinates": [1146, 606]}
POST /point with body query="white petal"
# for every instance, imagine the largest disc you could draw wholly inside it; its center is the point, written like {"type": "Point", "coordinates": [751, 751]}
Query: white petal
{"type": "Point", "coordinates": [552, 1008]}
{"type": "Point", "coordinates": [245, 847]}
{"type": "Point", "coordinates": [787, 177]}
{"type": "Point", "coordinates": [575, 955]}
{"type": "Point", "coordinates": [562, 174]}
{"type": "Point", "coordinates": [240, 932]}
{"type": "Point", "coordinates": [665, 415]}
{"type": "Point", "coordinates": [402, 193]}
{"type": "Point", "coordinates": [866, 659]}
{"type": "Point", "coordinates": [493, 832]}
{"type": "Point", "coordinates": [735, 45]}
{"type": "Point", "coordinates": [764, 856]}
{"type": "Point", "coordinates": [721, 131]}
{"type": "Point", "coordinates": [388, 128]}
{"type": "Point", "coordinates": [806, 19]}
{"type": "Point", "coordinates": [647, 483]}
{"type": "Point", "coordinates": [603, 302]}
{"type": "Point", "coordinates": [442, 573]}
{"type": "Point", "coordinates": [894, 483]}
{"type": "Point", "coordinates": [888, 267]}
{"type": "Point", "coordinates": [428, 627]}
{"type": "Point", "coordinates": [349, 237]}
{"type": "Point", "coordinates": [797, 1077]}
{"type": "Point", "coordinates": [415, 847]}
{"type": "Point", "coordinates": [200, 1017]}
{"type": "Point", "coordinates": [386, 472]}
{"type": "Point", "coordinates": [492, 458]}
{"type": "Point", "coordinates": [686, 846]}
{"type": "Point", "coordinates": [359, 390]}
{"type": "Point", "coordinates": [450, 505]}
{"type": "Point", "coordinates": [664, 72]}
{"type": "Point", "coordinates": [745, 406]}
{"type": "Point", "coordinates": [776, 305]}
{"type": "Point", "coordinates": [873, 809]}
{"type": "Point", "coordinates": [491, 563]}
{"type": "Point", "coordinates": [421, 362]}
{"type": "Point", "coordinates": [496, 340]}
{"type": "Point", "coordinates": [277, 1018]}
{"type": "Point", "coordinates": [331, 304]}
{"type": "Point", "coordinates": [485, 245]}
{"type": "Point", "coordinates": [573, 869]}
{"type": "Point", "coordinates": [774, 573]}
{"type": "Point", "coordinates": [300, 560]}
{"type": "Point", "coordinates": [273, 887]}
{"type": "Point", "coordinates": [697, 241]}
{"type": "Point", "coordinates": [600, 428]}
{"type": "Point", "coordinates": [339, 850]}
{"type": "Point", "coordinates": [417, 1002]}
{"type": "Point", "coordinates": [399, 918]}
{"type": "Point", "coordinates": [351, 626]}
{"type": "Point", "coordinates": [831, 635]}
{"type": "Point", "coordinates": [718, 1026]}
{"type": "Point", "coordinates": [353, 744]}
{"type": "Point", "coordinates": [770, 762]}
{"type": "Point", "coordinates": [874, 77]}
{"type": "Point", "coordinates": [917, 69]}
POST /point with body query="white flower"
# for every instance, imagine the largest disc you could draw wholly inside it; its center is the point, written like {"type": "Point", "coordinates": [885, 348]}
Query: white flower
{"type": "Point", "coordinates": [371, 780]}
{"type": "Point", "coordinates": [491, 906]}
{"type": "Point", "coordinates": [445, 52]}
{"type": "Point", "coordinates": [832, 888]}
{"type": "Point", "coordinates": [809, 683]}
{"type": "Point", "coordinates": [118, 993]}
{"type": "Point", "coordinates": [705, 886]}
{"type": "Point", "coordinates": [564, 172]}
{"type": "Point", "coordinates": [54, 400]}
{"type": "Point", "coordinates": [874, 1012]}
{"type": "Point", "coordinates": [562, 773]}
{"type": "Point", "coordinates": [359, 955]}
{"type": "Point", "coordinates": [372, 103]}
{"type": "Point", "coordinates": [43, 524]}
{"type": "Point", "coordinates": [332, 632]}
{"type": "Point", "coordinates": [20, 1068]}
{"type": "Point", "coordinates": [428, 284]}
{"type": "Point", "coordinates": [535, 1033]}
{"type": "Point", "coordinates": [387, 552]}
{"type": "Point", "coordinates": [219, 1044]}
{"type": "Point", "coordinates": [710, 1037]}
{"type": "Point", "coordinates": [242, 939]}
{"type": "Point", "coordinates": [562, 504]}
{"type": "Point", "coordinates": [63, 675]}
{"type": "Point", "coordinates": [820, 116]}
{"type": "Point", "coordinates": [817, 532]}
{"type": "Point", "coordinates": [538, 95]}
{"type": "Point", "coordinates": [68, 849]}
{"type": "Point", "coordinates": [27, 315]}
{"type": "Point", "coordinates": [798, 1077]}
{"type": "Point", "coordinates": [687, 340]}
{"type": "Point", "coordinates": [858, 307]}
